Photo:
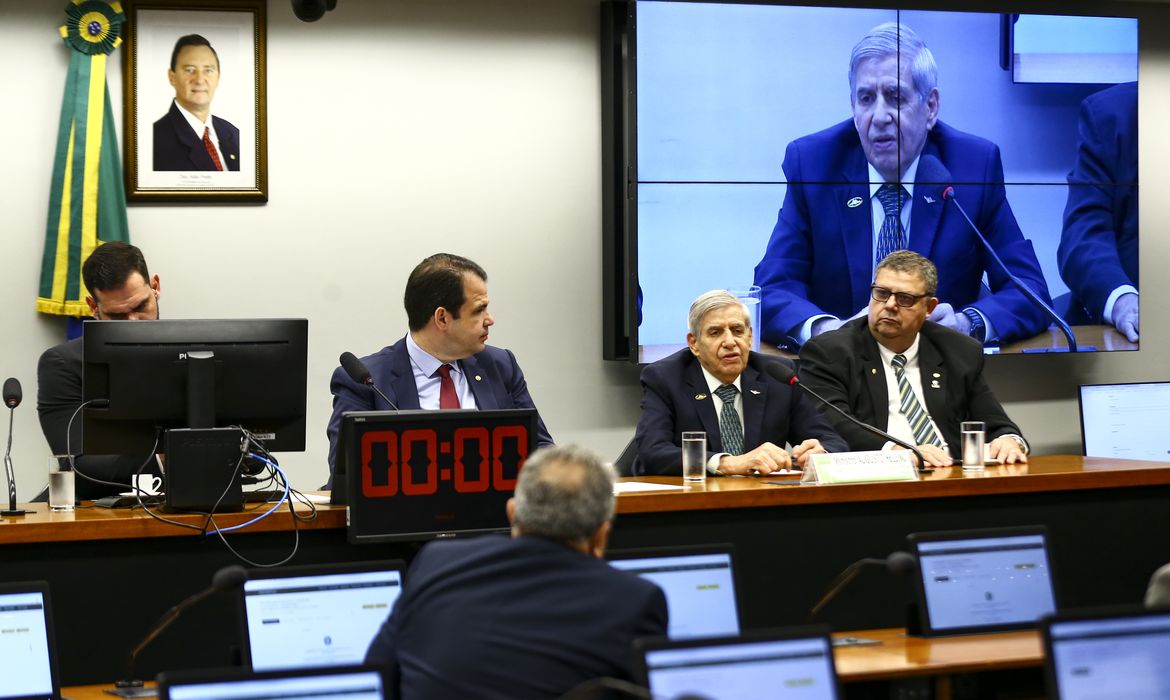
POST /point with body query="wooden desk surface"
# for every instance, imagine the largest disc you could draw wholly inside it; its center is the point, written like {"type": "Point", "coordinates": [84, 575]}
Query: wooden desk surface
{"type": "Point", "coordinates": [900, 656]}
{"type": "Point", "coordinates": [1043, 474]}
{"type": "Point", "coordinates": [897, 656]}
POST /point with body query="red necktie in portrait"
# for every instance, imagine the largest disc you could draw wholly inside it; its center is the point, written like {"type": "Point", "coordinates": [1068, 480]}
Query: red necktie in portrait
{"type": "Point", "coordinates": [211, 148]}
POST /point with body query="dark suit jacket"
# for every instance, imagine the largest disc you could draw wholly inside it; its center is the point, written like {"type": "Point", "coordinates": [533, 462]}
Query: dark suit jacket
{"type": "Point", "coordinates": [504, 618]}
{"type": "Point", "coordinates": [820, 257]}
{"type": "Point", "coordinates": [495, 379]}
{"type": "Point", "coordinates": [176, 147]}
{"type": "Point", "coordinates": [844, 366]}
{"type": "Point", "coordinates": [1099, 246]}
{"type": "Point", "coordinates": [58, 396]}
{"type": "Point", "coordinates": [772, 412]}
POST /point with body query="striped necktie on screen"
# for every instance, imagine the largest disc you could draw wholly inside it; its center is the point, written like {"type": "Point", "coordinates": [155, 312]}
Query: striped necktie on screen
{"type": "Point", "coordinates": [730, 429]}
{"type": "Point", "coordinates": [916, 416]}
{"type": "Point", "coordinates": [890, 236]}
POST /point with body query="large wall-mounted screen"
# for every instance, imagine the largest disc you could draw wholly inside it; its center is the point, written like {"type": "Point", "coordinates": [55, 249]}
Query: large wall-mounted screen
{"type": "Point", "coordinates": [747, 145]}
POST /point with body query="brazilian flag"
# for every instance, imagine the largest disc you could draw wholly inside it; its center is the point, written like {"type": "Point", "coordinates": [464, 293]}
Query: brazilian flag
{"type": "Point", "coordinates": [87, 200]}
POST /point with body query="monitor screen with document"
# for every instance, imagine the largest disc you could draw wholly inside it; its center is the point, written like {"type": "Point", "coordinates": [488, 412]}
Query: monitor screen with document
{"type": "Point", "coordinates": [28, 659]}
{"type": "Point", "coordinates": [699, 583]}
{"type": "Point", "coordinates": [1121, 653]}
{"type": "Point", "coordinates": [1125, 420]}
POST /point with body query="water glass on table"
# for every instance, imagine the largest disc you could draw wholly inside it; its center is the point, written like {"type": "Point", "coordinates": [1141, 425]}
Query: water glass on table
{"type": "Point", "coordinates": [973, 434]}
{"type": "Point", "coordinates": [694, 456]}
{"type": "Point", "coordinates": [61, 493]}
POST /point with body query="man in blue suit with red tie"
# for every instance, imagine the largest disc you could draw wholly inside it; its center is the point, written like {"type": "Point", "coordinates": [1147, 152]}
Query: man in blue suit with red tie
{"type": "Point", "coordinates": [189, 136]}
{"type": "Point", "coordinates": [444, 361]}
{"type": "Point", "coordinates": [871, 185]}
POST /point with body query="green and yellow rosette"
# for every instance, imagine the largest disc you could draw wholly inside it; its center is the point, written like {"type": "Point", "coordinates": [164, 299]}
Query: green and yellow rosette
{"type": "Point", "coordinates": [87, 199]}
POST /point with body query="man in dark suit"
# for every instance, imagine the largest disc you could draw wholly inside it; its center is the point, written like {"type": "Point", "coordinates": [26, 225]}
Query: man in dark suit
{"type": "Point", "coordinates": [189, 137]}
{"type": "Point", "coordinates": [528, 616]}
{"type": "Point", "coordinates": [913, 378]}
{"type": "Point", "coordinates": [1098, 251]}
{"type": "Point", "coordinates": [863, 188]}
{"type": "Point", "coordinates": [120, 288]}
{"type": "Point", "coordinates": [444, 361]}
{"type": "Point", "coordinates": [717, 385]}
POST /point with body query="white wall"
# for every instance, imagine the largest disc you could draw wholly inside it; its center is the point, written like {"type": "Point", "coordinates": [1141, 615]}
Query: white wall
{"type": "Point", "coordinates": [397, 129]}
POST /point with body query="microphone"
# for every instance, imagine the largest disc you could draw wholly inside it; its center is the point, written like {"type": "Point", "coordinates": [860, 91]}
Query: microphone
{"type": "Point", "coordinates": [226, 579]}
{"type": "Point", "coordinates": [901, 563]}
{"type": "Point", "coordinates": [783, 373]}
{"type": "Point", "coordinates": [357, 371]}
{"type": "Point", "coordinates": [948, 195]}
{"type": "Point", "coordinates": [12, 397]}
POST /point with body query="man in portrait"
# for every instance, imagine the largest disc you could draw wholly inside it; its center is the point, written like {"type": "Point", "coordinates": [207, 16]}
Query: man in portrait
{"type": "Point", "coordinates": [874, 184]}
{"type": "Point", "coordinates": [189, 136]}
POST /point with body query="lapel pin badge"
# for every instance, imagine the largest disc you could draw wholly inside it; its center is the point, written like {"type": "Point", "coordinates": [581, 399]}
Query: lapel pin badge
{"type": "Point", "coordinates": [873, 370]}
{"type": "Point", "coordinates": [478, 378]}
{"type": "Point", "coordinates": [700, 397]}
{"type": "Point", "coordinates": [928, 199]}
{"type": "Point", "coordinates": [755, 391]}
{"type": "Point", "coordinates": [934, 384]}
{"type": "Point", "coordinates": [854, 202]}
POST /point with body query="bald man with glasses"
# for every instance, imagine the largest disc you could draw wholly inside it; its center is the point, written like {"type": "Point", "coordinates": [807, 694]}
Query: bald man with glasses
{"type": "Point", "coordinates": [913, 378]}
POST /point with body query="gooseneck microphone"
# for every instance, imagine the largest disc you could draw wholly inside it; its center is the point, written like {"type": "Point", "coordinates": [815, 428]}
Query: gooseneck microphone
{"type": "Point", "coordinates": [783, 373]}
{"type": "Point", "coordinates": [901, 563]}
{"type": "Point", "coordinates": [948, 195]}
{"type": "Point", "coordinates": [12, 397]}
{"type": "Point", "coordinates": [357, 371]}
{"type": "Point", "coordinates": [226, 579]}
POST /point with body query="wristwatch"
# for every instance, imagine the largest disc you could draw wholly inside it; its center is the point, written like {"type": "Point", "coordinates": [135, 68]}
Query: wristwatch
{"type": "Point", "coordinates": [978, 329]}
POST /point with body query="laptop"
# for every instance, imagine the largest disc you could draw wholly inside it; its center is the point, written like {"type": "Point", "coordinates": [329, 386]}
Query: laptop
{"type": "Point", "coordinates": [350, 682]}
{"type": "Point", "coordinates": [776, 664]}
{"type": "Point", "coordinates": [1109, 653]}
{"type": "Point", "coordinates": [1125, 420]}
{"type": "Point", "coordinates": [990, 580]}
{"type": "Point", "coordinates": [699, 583]}
{"type": "Point", "coordinates": [28, 652]}
{"type": "Point", "coordinates": [322, 615]}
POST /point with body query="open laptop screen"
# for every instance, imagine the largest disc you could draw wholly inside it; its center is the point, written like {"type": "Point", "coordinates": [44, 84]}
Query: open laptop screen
{"type": "Point", "coordinates": [317, 616]}
{"type": "Point", "coordinates": [699, 584]}
{"type": "Point", "coordinates": [1115, 655]}
{"type": "Point", "coordinates": [1127, 421]}
{"type": "Point", "coordinates": [761, 666]}
{"type": "Point", "coordinates": [27, 663]}
{"type": "Point", "coordinates": [983, 580]}
{"type": "Point", "coordinates": [303, 684]}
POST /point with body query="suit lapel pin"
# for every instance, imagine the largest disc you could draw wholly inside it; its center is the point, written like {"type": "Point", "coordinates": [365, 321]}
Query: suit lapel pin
{"type": "Point", "coordinates": [873, 370]}
{"type": "Point", "coordinates": [934, 384]}
{"type": "Point", "coordinates": [700, 397]}
{"type": "Point", "coordinates": [854, 202]}
{"type": "Point", "coordinates": [755, 391]}
{"type": "Point", "coordinates": [478, 378]}
{"type": "Point", "coordinates": [928, 199]}
{"type": "Point", "coordinates": [232, 156]}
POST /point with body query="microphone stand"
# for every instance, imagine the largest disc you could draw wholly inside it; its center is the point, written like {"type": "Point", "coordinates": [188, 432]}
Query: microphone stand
{"type": "Point", "coordinates": [949, 195]}
{"type": "Point", "coordinates": [9, 472]}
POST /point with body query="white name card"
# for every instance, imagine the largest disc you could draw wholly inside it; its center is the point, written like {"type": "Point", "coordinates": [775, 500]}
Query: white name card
{"type": "Point", "coordinates": [860, 467]}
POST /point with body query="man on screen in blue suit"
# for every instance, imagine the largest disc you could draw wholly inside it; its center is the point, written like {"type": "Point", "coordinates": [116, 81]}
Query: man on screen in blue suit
{"type": "Point", "coordinates": [866, 187]}
{"type": "Point", "coordinates": [444, 361]}
{"type": "Point", "coordinates": [1098, 251]}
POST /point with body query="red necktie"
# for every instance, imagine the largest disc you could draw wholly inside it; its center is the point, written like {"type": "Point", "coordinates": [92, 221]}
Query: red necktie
{"type": "Point", "coordinates": [211, 148]}
{"type": "Point", "coordinates": [447, 396]}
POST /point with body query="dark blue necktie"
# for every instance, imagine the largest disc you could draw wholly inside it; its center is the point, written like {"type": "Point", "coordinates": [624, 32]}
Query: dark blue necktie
{"type": "Point", "coordinates": [890, 236]}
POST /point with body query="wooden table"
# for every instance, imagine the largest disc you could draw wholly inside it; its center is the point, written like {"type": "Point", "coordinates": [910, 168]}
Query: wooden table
{"type": "Point", "coordinates": [112, 574]}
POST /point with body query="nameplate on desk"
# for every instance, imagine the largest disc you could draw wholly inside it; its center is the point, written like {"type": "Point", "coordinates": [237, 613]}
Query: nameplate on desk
{"type": "Point", "coordinates": [860, 467]}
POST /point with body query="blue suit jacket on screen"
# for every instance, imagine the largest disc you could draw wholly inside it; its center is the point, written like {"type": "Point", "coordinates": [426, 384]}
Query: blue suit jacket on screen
{"type": "Point", "coordinates": [820, 257]}
{"type": "Point", "coordinates": [1099, 246]}
{"type": "Point", "coordinates": [176, 147]}
{"type": "Point", "coordinates": [493, 375]}
{"type": "Point", "coordinates": [675, 398]}
{"type": "Point", "coordinates": [501, 618]}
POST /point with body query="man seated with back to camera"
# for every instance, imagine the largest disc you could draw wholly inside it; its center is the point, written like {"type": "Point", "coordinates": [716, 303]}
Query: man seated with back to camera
{"type": "Point", "coordinates": [120, 288]}
{"type": "Point", "coordinates": [533, 615]}
{"type": "Point", "coordinates": [911, 377]}
{"type": "Point", "coordinates": [444, 361]}
{"type": "Point", "coordinates": [718, 385]}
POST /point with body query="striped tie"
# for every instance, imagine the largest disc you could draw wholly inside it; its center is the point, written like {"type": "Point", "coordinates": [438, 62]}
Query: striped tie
{"type": "Point", "coordinates": [890, 236]}
{"type": "Point", "coordinates": [730, 429]}
{"type": "Point", "coordinates": [916, 416]}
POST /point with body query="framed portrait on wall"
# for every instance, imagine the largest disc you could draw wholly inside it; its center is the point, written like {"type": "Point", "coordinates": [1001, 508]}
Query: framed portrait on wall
{"type": "Point", "coordinates": [195, 120]}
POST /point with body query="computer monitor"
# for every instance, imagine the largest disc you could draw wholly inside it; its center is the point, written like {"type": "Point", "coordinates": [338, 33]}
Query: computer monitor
{"type": "Point", "coordinates": [983, 580]}
{"type": "Point", "coordinates": [349, 682]}
{"type": "Point", "coordinates": [699, 583]}
{"type": "Point", "coordinates": [1121, 653]}
{"type": "Point", "coordinates": [317, 615]}
{"type": "Point", "coordinates": [773, 665]}
{"type": "Point", "coordinates": [1125, 420]}
{"type": "Point", "coordinates": [158, 375]}
{"type": "Point", "coordinates": [28, 656]}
